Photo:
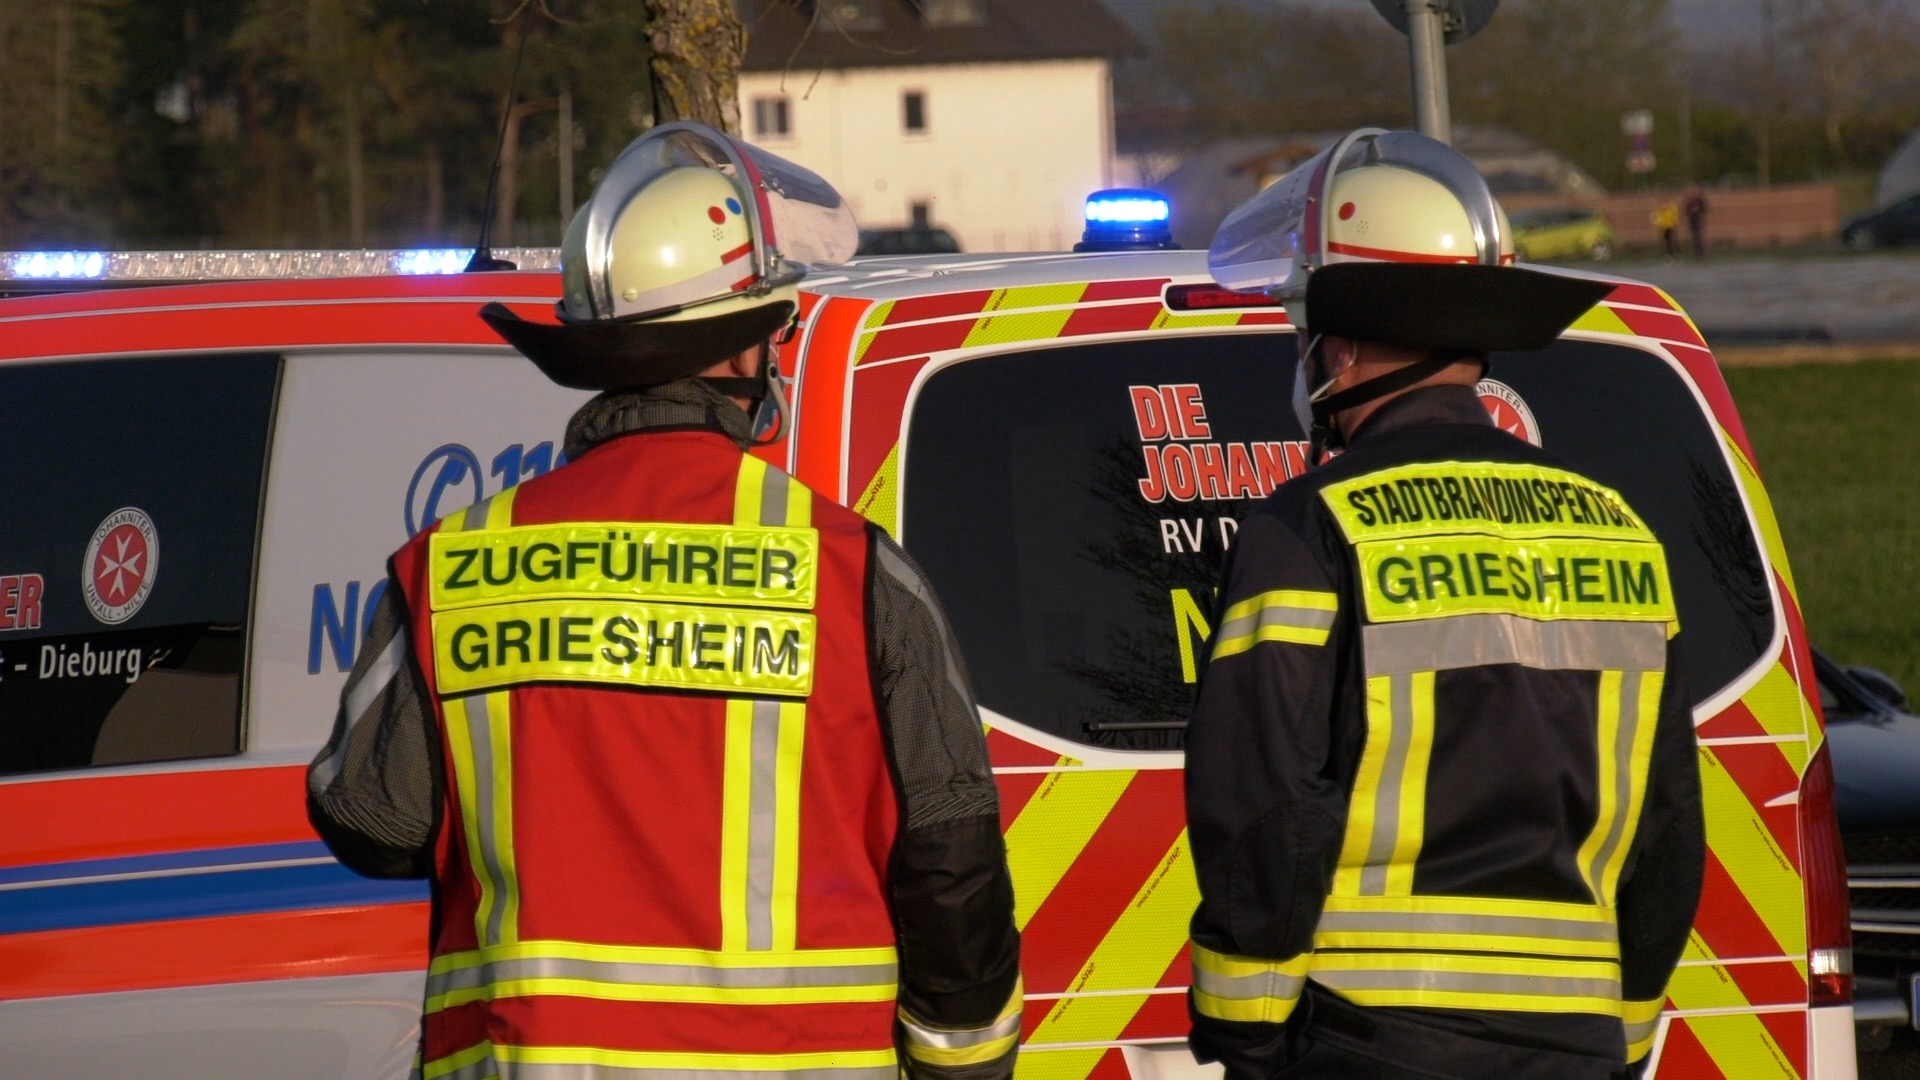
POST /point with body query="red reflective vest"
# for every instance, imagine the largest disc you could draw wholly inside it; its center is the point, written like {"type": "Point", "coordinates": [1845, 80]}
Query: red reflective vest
{"type": "Point", "coordinates": [668, 813]}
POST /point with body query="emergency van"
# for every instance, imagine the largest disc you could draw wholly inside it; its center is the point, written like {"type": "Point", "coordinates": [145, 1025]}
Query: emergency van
{"type": "Point", "coordinates": [202, 484]}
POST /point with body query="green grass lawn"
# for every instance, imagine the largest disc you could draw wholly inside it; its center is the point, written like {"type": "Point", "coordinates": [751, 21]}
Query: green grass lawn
{"type": "Point", "coordinates": [1839, 449]}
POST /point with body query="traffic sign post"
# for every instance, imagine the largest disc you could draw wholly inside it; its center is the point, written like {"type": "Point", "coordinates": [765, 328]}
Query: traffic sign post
{"type": "Point", "coordinates": [1430, 26]}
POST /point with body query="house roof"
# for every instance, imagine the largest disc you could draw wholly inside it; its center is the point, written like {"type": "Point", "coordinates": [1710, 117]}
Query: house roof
{"type": "Point", "coordinates": [801, 34]}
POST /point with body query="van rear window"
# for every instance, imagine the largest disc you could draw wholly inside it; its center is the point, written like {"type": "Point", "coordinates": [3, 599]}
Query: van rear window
{"type": "Point", "coordinates": [1072, 506]}
{"type": "Point", "coordinates": [127, 541]}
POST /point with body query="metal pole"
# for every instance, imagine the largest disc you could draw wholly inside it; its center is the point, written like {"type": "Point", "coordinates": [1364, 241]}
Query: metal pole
{"type": "Point", "coordinates": [566, 157]}
{"type": "Point", "coordinates": [1426, 45]}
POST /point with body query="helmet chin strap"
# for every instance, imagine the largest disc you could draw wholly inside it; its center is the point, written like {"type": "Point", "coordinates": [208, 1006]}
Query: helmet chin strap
{"type": "Point", "coordinates": [766, 404]}
{"type": "Point", "coordinates": [1326, 434]}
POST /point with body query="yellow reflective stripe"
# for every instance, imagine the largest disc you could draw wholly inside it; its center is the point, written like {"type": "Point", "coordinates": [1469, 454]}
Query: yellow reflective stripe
{"type": "Point", "coordinates": [1763, 515]}
{"type": "Point", "coordinates": [748, 490]}
{"type": "Point", "coordinates": [1779, 704]}
{"type": "Point", "coordinates": [1053, 828]}
{"type": "Point", "coordinates": [1467, 924]}
{"type": "Point", "coordinates": [624, 642]}
{"type": "Point", "coordinates": [965, 1046]}
{"type": "Point", "coordinates": [1641, 1019]}
{"type": "Point", "coordinates": [1132, 955]}
{"type": "Point", "coordinates": [1457, 497]}
{"type": "Point", "coordinates": [614, 990]}
{"type": "Point", "coordinates": [1737, 1041]}
{"type": "Point", "coordinates": [1024, 324]}
{"type": "Point", "coordinates": [479, 736]}
{"type": "Point", "coordinates": [1742, 842]}
{"type": "Point", "coordinates": [790, 745]}
{"type": "Point", "coordinates": [1469, 981]}
{"type": "Point", "coordinates": [454, 1062]}
{"type": "Point", "coordinates": [735, 816]}
{"type": "Point", "coordinates": [1539, 578]}
{"type": "Point", "coordinates": [1411, 829]}
{"type": "Point", "coordinates": [1292, 615]}
{"type": "Point", "coordinates": [675, 1059]}
{"type": "Point", "coordinates": [1613, 778]}
{"type": "Point", "coordinates": [1242, 988]}
{"type": "Point", "coordinates": [748, 565]}
{"type": "Point", "coordinates": [1366, 787]}
{"type": "Point", "coordinates": [880, 502]}
{"type": "Point", "coordinates": [799, 960]}
{"type": "Point", "coordinates": [1386, 821]}
{"type": "Point", "coordinates": [1640, 703]}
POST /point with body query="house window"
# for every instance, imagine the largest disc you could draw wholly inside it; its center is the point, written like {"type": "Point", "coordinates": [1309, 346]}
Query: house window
{"type": "Point", "coordinates": [771, 118]}
{"type": "Point", "coordinates": [922, 214]}
{"type": "Point", "coordinates": [952, 12]}
{"type": "Point", "coordinates": [913, 112]}
{"type": "Point", "coordinates": [852, 14]}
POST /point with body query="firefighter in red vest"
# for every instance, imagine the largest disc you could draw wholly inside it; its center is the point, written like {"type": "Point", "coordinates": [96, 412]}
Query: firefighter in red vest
{"type": "Point", "coordinates": [687, 750]}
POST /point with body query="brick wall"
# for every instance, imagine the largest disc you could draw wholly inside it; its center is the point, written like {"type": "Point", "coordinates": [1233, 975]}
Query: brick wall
{"type": "Point", "coordinates": [1744, 217]}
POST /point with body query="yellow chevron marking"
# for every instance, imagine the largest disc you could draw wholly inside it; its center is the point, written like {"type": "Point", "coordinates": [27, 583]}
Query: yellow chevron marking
{"type": "Point", "coordinates": [1056, 1064]}
{"type": "Point", "coordinates": [1601, 319]}
{"type": "Point", "coordinates": [1133, 955]}
{"type": "Point", "coordinates": [1762, 513]}
{"type": "Point", "coordinates": [1743, 845]}
{"type": "Point", "coordinates": [1777, 703]}
{"type": "Point", "coordinates": [1171, 320]}
{"type": "Point", "coordinates": [1025, 324]}
{"type": "Point", "coordinates": [1053, 828]}
{"type": "Point", "coordinates": [880, 503]}
{"type": "Point", "coordinates": [1739, 1043]}
{"type": "Point", "coordinates": [875, 319]}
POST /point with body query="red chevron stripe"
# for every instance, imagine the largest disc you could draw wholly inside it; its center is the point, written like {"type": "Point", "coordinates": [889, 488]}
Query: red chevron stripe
{"type": "Point", "coordinates": [1764, 773]}
{"type": "Point", "coordinates": [1667, 326]}
{"type": "Point", "coordinates": [1705, 373]}
{"type": "Point", "coordinates": [1132, 289]}
{"type": "Point", "coordinates": [946, 305]}
{"type": "Point", "coordinates": [1111, 320]}
{"type": "Point", "coordinates": [1638, 294]}
{"type": "Point", "coordinates": [1016, 790]}
{"type": "Point", "coordinates": [1777, 983]}
{"type": "Point", "coordinates": [1683, 1058]}
{"type": "Point", "coordinates": [1796, 656]}
{"type": "Point", "coordinates": [879, 403]}
{"type": "Point", "coordinates": [1121, 856]}
{"type": "Point", "coordinates": [1726, 921]}
{"type": "Point", "coordinates": [1734, 721]}
{"type": "Point", "coordinates": [1006, 750]}
{"type": "Point", "coordinates": [1163, 1016]}
{"type": "Point", "coordinates": [891, 344]}
{"type": "Point", "coordinates": [1789, 1029]}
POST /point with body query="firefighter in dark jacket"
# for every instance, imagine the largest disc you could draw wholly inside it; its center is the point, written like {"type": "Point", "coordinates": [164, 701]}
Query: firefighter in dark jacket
{"type": "Point", "coordinates": [1441, 774]}
{"type": "Point", "coordinates": [687, 750]}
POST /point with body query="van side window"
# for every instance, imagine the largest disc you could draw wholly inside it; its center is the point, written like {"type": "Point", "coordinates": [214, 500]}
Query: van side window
{"type": "Point", "coordinates": [127, 539]}
{"type": "Point", "coordinates": [1071, 507]}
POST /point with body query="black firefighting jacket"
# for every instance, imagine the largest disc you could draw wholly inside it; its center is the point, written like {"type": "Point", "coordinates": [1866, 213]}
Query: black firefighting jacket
{"type": "Point", "coordinates": [1441, 761]}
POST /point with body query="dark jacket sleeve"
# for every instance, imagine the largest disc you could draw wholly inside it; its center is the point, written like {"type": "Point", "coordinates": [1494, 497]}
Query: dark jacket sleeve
{"type": "Point", "coordinates": [1660, 882]}
{"type": "Point", "coordinates": [374, 793]}
{"type": "Point", "coordinates": [1265, 807]}
{"type": "Point", "coordinates": [960, 996]}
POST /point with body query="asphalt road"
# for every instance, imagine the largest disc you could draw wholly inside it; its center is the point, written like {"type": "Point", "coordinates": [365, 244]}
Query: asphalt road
{"type": "Point", "coordinates": [1848, 299]}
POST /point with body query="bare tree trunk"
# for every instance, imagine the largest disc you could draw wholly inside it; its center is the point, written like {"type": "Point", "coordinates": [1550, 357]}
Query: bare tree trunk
{"type": "Point", "coordinates": [356, 174]}
{"type": "Point", "coordinates": [698, 46]}
{"type": "Point", "coordinates": [436, 193]}
{"type": "Point", "coordinates": [509, 190]}
{"type": "Point", "coordinates": [563, 144]}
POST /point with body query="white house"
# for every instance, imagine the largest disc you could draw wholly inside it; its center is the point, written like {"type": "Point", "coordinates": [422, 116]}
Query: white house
{"type": "Point", "coordinates": [992, 119]}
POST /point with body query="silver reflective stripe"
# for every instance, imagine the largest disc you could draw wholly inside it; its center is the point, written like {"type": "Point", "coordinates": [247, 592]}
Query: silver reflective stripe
{"type": "Point", "coordinates": [646, 974]}
{"type": "Point", "coordinates": [1503, 925]}
{"type": "Point", "coordinates": [1624, 734]}
{"type": "Point", "coordinates": [773, 496]}
{"type": "Point", "coordinates": [484, 1069]}
{"type": "Point", "coordinates": [476, 515]}
{"type": "Point", "coordinates": [597, 1071]}
{"type": "Point", "coordinates": [957, 1040]}
{"type": "Point", "coordinates": [1463, 641]}
{"type": "Point", "coordinates": [379, 673]}
{"type": "Point", "coordinates": [1472, 982]}
{"type": "Point", "coordinates": [1302, 617]}
{"type": "Point", "coordinates": [1386, 802]}
{"type": "Point", "coordinates": [480, 735]}
{"type": "Point", "coordinates": [1641, 1031]}
{"type": "Point", "coordinates": [1265, 984]}
{"type": "Point", "coordinates": [760, 821]}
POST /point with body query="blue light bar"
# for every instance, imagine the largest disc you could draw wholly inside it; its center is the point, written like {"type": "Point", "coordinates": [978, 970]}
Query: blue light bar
{"type": "Point", "coordinates": [1127, 219]}
{"type": "Point", "coordinates": [56, 265]}
{"type": "Point", "coordinates": [431, 261]}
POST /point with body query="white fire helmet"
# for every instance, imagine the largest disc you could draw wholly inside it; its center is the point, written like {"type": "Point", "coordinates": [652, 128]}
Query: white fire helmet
{"type": "Point", "coordinates": [1373, 196]}
{"type": "Point", "coordinates": [687, 253]}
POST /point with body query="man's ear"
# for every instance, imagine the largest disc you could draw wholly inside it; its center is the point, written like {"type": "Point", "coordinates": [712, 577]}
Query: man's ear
{"type": "Point", "coordinates": [746, 363]}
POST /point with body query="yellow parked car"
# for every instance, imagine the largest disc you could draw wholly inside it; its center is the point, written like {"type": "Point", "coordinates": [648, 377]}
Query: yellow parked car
{"type": "Point", "coordinates": [1562, 232]}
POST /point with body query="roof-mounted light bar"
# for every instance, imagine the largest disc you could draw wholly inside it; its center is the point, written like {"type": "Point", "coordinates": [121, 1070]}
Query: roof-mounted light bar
{"type": "Point", "coordinates": [172, 266]}
{"type": "Point", "coordinates": [1127, 219]}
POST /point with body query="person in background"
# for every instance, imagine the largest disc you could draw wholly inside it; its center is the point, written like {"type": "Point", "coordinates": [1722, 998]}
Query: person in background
{"type": "Point", "coordinates": [1696, 211]}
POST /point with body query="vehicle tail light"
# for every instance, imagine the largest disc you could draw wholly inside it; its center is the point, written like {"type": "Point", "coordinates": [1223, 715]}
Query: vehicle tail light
{"type": "Point", "coordinates": [1823, 866]}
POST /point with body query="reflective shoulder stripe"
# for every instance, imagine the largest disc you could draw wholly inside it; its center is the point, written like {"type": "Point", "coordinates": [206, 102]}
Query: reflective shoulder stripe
{"type": "Point", "coordinates": [965, 1046]}
{"type": "Point", "coordinates": [765, 495]}
{"type": "Point", "coordinates": [1241, 988]}
{"type": "Point", "coordinates": [1468, 981]}
{"type": "Point", "coordinates": [1463, 641]}
{"type": "Point", "coordinates": [1292, 615]}
{"type": "Point", "coordinates": [1642, 1022]}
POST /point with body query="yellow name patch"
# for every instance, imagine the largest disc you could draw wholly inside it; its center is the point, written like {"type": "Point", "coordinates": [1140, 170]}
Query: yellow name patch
{"type": "Point", "coordinates": [775, 567]}
{"type": "Point", "coordinates": [626, 643]}
{"type": "Point", "coordinates": [1539, 578]}
{"type": "Point", "coordinates": [1453, 497]}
